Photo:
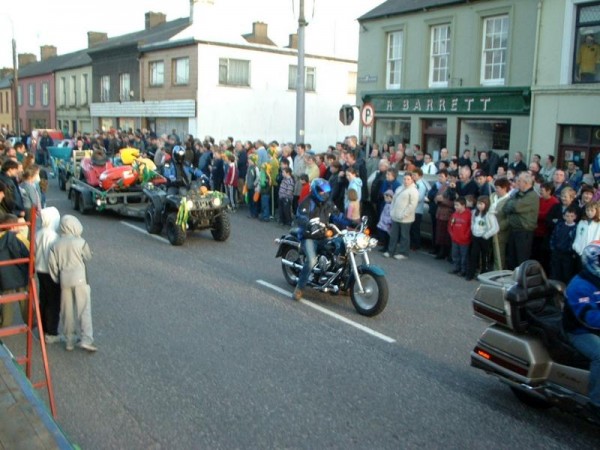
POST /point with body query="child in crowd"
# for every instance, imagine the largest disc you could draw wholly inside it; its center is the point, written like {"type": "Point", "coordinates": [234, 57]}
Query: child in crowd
{"type": "Point", "coordinates": [286, 196]}
{"type": "Point", "coordinates": [66, 263]}
{"type": "Point", "coordinates": [49, 289]}
{"type": "Point", "coordinates": [471, 202]}
{"type": "Point", "coordinates": [353, 209]}
{"type": "Point", "coordinates": [588, 228]}
{"type": "Point", "coordinates": [30, 190]}
{"type": "Point", "coordinates": [563, 257]}
{"type": "Point", "coordinates": [459, 228]}
{"type": "Point", "coordinates": [484, 226]}
{"type": "Point", "coordinates": [304, 187]}
{"type": "Point", "coordinates": [385, 221]}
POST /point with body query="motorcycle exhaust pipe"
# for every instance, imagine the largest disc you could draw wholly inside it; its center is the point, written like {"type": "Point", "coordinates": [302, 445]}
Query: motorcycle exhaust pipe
{"type": "Point", "coordinates": [291, 264]}
{"type": "Point", "coordinates": [288, 242]}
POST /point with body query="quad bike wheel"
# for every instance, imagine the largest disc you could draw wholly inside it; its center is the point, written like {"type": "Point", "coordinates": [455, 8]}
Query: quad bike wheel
{"type": "Point", "coordinates": [221, 227]}
{"type": "Point", "coordinates": [152, 221]}
{"type": "Point", "coordinates": [175, 234]}
{"type": "Point", "coordinates": [74, 200]}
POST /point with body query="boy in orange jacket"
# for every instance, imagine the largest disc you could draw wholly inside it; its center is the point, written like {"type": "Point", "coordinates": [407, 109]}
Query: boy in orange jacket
{"type": "Point", "coordinates": [459, 228]}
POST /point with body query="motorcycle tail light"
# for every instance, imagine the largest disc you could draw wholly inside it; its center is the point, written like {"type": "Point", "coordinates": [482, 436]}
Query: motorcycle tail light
{"type": "Point", "coordinates": [483, 354]}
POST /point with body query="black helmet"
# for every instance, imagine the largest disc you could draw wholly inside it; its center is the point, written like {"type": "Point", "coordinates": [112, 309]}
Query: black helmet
{"type": "Point", "coordinates": [178, 154]}
{"type": "Point", "coordinates": [320, 189]}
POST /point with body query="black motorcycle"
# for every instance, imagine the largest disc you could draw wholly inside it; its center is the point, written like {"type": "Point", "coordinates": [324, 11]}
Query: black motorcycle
{"type": "Point", "coordinates": [337, 269]}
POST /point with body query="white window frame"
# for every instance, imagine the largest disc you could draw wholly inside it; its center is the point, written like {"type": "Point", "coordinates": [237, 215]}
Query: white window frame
{"type": "Point", "coordinates": [228, 72]}
{"type": "Point", "coordinates": [84, 89]}
{"type": "Point", "coordinates": [157, 73]}
{"type": "Point", "coordinates": [181, 71]}
{"type": "Point", "coordinates": [31, 88]}
{"type": "Point", "coordinates": [105, 88]}
{"type": "Point", "coordinates": [310, 78]}
{"type": "Point", "coordinates": [62, 87]}
{"type": "Point", "coordinates": [439, 61]}
{"type": "Point", "coordinates": [393, 71]}
{"type": "Point", "coordinates": [45, 94]}
{"type": "Point", "coordinates": [494, 50]}
{"type": "Point", "coordinates": [124, 87]}
{"type": "Point", "coordinates": [73, 91]}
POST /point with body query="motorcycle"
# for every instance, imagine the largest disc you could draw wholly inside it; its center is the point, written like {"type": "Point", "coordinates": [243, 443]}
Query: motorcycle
{"type": "Point", "coordinates": [526, 347]}
{"type": "Point", "coordinates": [337, 269]}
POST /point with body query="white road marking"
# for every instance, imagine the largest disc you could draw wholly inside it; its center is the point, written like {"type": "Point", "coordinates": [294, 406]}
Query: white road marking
{"type": "Point", "coordinates": [141, 230]}
{"type": "Point", "coordinates": [330, 313]}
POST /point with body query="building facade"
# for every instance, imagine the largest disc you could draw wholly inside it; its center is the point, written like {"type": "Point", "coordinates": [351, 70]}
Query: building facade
{"type": "Point", "coordinates": [566, 85]}
{"type": "Point", "coordinates": [453, 74]}
{"type": "Point", "coordinates": [7, 116]}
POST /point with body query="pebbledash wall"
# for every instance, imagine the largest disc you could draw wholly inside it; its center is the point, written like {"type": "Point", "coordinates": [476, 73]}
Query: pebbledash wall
{"type": "Point", "coordinates": [565, 117]}
{"type": "Point", "coordinates": [457, 106]}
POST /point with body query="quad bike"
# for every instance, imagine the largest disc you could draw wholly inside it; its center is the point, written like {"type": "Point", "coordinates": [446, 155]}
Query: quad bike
{"type": "Point", "coordinates": [186, 208]}
{"type": "Point", "coordinates": [526, 347]}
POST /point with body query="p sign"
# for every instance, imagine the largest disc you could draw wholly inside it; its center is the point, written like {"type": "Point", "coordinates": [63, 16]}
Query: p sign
{"type": "Point", "coordinates": [367, 115]}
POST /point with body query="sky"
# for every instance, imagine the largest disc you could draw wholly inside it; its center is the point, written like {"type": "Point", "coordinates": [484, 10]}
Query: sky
{"type": "Point", "coordinates": [332, 28]}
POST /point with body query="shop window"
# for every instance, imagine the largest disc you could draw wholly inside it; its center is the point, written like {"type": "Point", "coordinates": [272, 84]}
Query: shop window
{"type": "Point", "coordinates": [391, 132]}
{"type": "Point", "coordinates": [434, 135]}
{"type": "Point", "coordinates": [484, 135]}
{"type": "Point", "coordinates": [580, 144]}
{"type": "Point", "coordinates": [586, 68]}
{"type": "Point", "coordinates": [394, 60]}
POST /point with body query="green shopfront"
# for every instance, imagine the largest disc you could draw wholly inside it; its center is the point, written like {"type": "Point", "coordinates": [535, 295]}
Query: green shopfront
{"type": "Point", "coordinates": [478, 119]}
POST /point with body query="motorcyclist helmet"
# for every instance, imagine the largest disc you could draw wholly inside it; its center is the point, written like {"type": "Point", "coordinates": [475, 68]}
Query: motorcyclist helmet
{"type": "Point", "coordinates": [320, 190]}
{"type": "Point", "coordinates": [178, 154]}
{"type": "Point", "coordinates": [590, 258]}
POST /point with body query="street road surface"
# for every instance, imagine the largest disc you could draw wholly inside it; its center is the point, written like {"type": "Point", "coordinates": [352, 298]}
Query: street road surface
{"type": "Point", "coordinates": [200, 346]}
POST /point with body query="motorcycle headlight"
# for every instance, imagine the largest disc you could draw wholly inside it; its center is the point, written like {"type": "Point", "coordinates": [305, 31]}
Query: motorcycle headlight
{"type": "Point", "coordinates": [216, 202]}
{"type": "Point", "coordinates": [362, 241]}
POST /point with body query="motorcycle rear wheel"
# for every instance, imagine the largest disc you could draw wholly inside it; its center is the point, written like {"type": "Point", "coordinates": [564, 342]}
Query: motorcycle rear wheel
{"type": "Point", "coordinates": [289, 273]}
{"type": "Point", "coordinates": [375, 296]}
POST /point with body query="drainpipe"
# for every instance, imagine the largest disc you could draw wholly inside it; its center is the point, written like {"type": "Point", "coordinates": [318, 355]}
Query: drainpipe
{"type": "Point", "coordinates": [534, 78]}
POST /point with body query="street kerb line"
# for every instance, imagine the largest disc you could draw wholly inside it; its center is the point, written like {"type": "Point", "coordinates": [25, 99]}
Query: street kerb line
{"type": "Point", "coordinates": [367, 330]}
{"type": "Point", "coordinates": [133, 227]}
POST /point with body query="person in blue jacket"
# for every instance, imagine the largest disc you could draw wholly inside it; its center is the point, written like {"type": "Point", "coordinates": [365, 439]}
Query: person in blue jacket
{"type": "Point", "coordinates": [581, 317]}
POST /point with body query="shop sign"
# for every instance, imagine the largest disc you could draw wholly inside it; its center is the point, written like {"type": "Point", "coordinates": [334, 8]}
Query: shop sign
{"type": "Point", "coordinates": [508, 101]}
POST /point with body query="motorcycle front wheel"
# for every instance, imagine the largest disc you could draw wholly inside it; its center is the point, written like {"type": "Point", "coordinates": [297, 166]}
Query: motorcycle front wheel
{"type": "Point", "coordinates": [375, 296]}
{"type": "Point", "coordinates": [290, 273]}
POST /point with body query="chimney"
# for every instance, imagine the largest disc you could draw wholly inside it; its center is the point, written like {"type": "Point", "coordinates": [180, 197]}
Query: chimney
{"type": "Point", "coordinates": [259, 34]}
{"type": "Point", "coordinates": [5, 72]}
{"type": "Point", "coordinates": [293, 41]}
{"type": "Point", "coordinates": [95, 38]}
{"type": "Point", "coordinates": [47, 52]}
{"type": "Point", "coordinates": [26, 59]}
{"type": "Point", "coordinates": [154, 19]}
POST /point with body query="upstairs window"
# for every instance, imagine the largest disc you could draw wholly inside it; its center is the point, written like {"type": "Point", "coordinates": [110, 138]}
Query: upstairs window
{"type": "Point", "coordinates": [352, 79]}
{"type": "Point", "coordinates": [440, 56]}
{"type": "Point", "coordinates": [310, 78]}
{"type": "Point", "coordinates": [62, 87]}
{"type": "Point", "coordinates": [181, 71]}
{"type": "Point", "coordinates": [157, 73]}
{"type": "Point", "coordinates": [73, 91]}
{"type": "Point", "coordinates": [124, 87]}
{"type": "Point", "coordinates": [234, 72]}
{"type": "Point", "coordinates": [495, 45]}
{"type": "Point", "coordinates": [20, 95]}
{"type": "Point", "coordinates": [32, 95]}
{"type": "Point", "coordinates": [587, 48]}
{"type": "Point", "coordinates": [45, 94]}
{"type": "Point", "coordinates": [84, 89]}
{"type": "Point", "coordinates": [394, 60]}
{"type": "Point", "coordinates": [105, 88]}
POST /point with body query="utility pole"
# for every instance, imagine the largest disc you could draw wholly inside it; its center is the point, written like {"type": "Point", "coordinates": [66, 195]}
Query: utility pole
{"type": "Point", "coordinates": [15, 92]}
{"type": "Point", "coordinates": [300, 77]}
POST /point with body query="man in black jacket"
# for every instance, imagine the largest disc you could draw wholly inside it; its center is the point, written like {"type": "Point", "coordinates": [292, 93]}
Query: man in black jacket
{"type": "Point", "coordinates": [13, 201]}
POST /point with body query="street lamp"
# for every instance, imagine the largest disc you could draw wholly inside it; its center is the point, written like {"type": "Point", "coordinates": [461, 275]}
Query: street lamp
{"type": "Point", "coordinates": [15, 83]}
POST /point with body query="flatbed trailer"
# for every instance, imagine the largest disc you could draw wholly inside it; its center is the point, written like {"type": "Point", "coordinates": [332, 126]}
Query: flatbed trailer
{"type": "Point", "coordinates": [86, 198]}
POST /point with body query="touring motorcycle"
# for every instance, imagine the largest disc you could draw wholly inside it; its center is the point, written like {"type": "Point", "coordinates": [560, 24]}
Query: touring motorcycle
{"type": "Point", "coordinates": [337, 269]}
{"type": "Point", "coordinates": [526, 346]}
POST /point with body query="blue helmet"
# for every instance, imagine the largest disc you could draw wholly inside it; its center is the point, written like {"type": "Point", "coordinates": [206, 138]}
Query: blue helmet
{"type": "Point", "coordinates": [319, 190]}
{"type": "Point", "coordinates": [590, 258]}
{"type": "Point", "coordinates": [178, 154]}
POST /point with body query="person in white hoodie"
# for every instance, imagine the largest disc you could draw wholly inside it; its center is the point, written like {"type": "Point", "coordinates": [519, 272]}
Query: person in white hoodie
{"type": "Point", "coordinates": [588, 228]}
{"type": "Point", "coordinates": [484, 226]}
{"type": "Point", "coordinates": [49, 289]}
{"type": "Point", "coordinates": [67, 260]}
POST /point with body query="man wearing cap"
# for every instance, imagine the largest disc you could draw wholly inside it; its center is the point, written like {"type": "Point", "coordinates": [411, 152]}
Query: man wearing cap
{"type": "Point", "coordinates": [481, 180]}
